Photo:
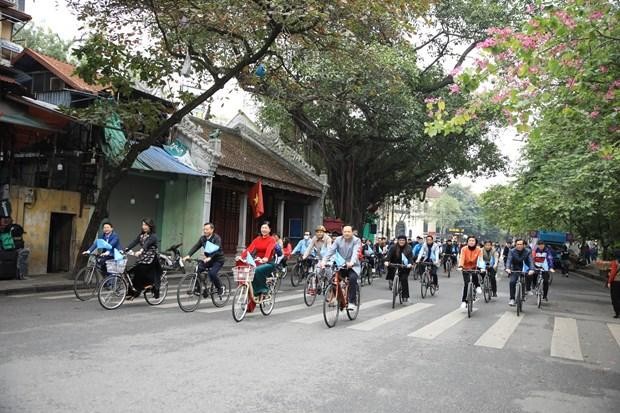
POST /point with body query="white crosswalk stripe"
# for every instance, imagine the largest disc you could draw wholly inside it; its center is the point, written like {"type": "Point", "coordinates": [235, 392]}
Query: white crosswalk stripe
{"type": "Point", "coordinates": [615, 331]}
{"type": "Point", "coordinates": [565, 339]}
{"type": "Point", "coordinates": [318, 317]}
{"type": "Point", "coordinates": [432, 330]}
{"type": "Point", "coordinates": [499, 333]}
{"type": "Point", "coordinates": [375, 322]}
{"type": "Point", "coordinates": [59, 297]}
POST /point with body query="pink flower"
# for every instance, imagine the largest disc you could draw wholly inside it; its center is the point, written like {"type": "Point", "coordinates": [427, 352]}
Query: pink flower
{"type": "Point", "coordinates": [482, 63]}
{"type": "Point", "coordinates": [530, 8]}
{"type": "Point", "coordinates": [528, 42]}
{"type": "Point", "coordinates": [609, 96]}
{"type": "Point", "coordinates": [565, 19]}
{"type": "Point", "coordinates": [487, 43]}
{"type": "Point", "coordinates": [608, 157]}
{"type": "Point", "coordinates": [570, 83]}
{"type": "Point", "coordinates": [454, 88]}
{"type": "Point", "coordinates": [455, 71]}
{"type": "Point", "coordinates": [596, 15]}
{"type": "Point", "coordinates": [594, 114]}
{"type": "Point", "coordinates": [603, 69]}
{"type": "Point", "coordinates": [593, 147]}
{"type": "Point", "coordinates": [534, 70]}
{"type": "Point", "coordinates": [499, 98]}
{"type": "Point", "coordinates": [431, 99]}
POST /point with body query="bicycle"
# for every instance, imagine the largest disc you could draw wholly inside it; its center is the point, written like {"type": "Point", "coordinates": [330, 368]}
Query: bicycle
{"type": "Point", "coordinates": [426, 282]}
{"type": "Point", "coordinates": [244, 276]}
{"type": "Point", "coordinates": [487, 290]}
{"type": "Point", "coordinates": [397, 287]}
{"type": "Point", "coordinates": [519, 291]}
{"type": "Point", "coordinates": [449, 258]}
{"type": "Point", "coordinates": [471, 291]}
{"type": "Point", "coordinates": [87, 280]}
{"type": "Point", "coordinates": [336, 299]}
{"type": "Point", "coordinates": [194, 286]}
{"type": "Point", "coordinates": [538, 273]}
{"type": "Point", "coordinates": [300, 271]}
{"type": "Point", "coordinates": [114, 288]}
{"type": "Point", "coordinates": [315, 285]}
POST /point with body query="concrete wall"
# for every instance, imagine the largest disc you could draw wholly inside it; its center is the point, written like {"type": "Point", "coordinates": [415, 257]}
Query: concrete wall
{"type": "Point", "coordinates": [32, 208]}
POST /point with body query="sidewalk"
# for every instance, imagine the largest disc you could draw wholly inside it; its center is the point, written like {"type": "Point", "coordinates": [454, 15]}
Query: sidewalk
{"type": "Point", "coordinates": [590, 271]}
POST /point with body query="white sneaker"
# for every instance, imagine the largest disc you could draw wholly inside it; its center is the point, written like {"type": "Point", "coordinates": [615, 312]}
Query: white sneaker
{"type": "Point", "coordinates": [478, 290]}
{"type": "Point", "coordinates": [511, 303]}
{"type": "Point", "coordinates": [463, 306]}
{"type": "Point", "coordinates": [351, 307]}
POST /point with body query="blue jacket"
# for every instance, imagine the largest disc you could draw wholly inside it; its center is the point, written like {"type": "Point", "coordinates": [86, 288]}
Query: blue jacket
{"type": "Point", "coordinates": [302, 246]}
{"type": "Point", "coordinates": [111, 239]}
{"type": "Point", "coordinates": [527, 260]}
{"type": "Point", "coordinates": [416, 250]}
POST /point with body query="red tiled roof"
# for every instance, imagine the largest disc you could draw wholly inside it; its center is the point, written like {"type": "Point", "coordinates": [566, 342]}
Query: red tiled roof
{"type": "Point", "coordinates": [63, 70]}
{"type": "Point", "coordinates": [242, 155]}
{"type": "Point", "coordinates": [7, 79]}
{"type": "Point", "coordinates": [9, 11]}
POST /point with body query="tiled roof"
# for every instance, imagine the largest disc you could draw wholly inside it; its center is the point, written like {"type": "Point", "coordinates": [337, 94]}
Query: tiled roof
{"type": "Point", "coordinates": [63, 70]}
{"type": "Point", "coordinates": [248, 158]}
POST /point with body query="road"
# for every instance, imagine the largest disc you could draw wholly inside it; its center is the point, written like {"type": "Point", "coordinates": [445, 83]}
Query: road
{"type": "Point", "coordinates": [61, 355]}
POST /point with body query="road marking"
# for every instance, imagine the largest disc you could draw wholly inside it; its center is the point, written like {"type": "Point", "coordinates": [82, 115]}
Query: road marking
{"type": "Point", "coordinates": [565, 339]}
{"type": "Point", "coordinates": [615, 331]}
{"type": "Point", "coordinates": [59, 297]}
{"type": "Point", "coordinates": [375, 322]}
{"type": "Point", "coordinates": [36, 294]}
{"type": "Point", "coordinates": [278, 299]}
{"type": "Point", "coordinates": [283, 310]}
{"type": "Point", "coordinates": [499, 333]}
{"type": "Point", "coordinates": [318, 317]}
{"type": "Point", "coordinates": [432, 330]}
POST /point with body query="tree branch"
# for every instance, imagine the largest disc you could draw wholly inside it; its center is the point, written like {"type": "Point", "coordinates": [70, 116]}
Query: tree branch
{"type": "Point", "coordinates": [449, 79]}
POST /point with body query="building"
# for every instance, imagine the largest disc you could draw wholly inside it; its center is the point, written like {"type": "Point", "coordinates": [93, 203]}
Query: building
{"type": "Point", "coordinates": [410, 218]}
{"type": "Point", "coordinates": [12, 19]}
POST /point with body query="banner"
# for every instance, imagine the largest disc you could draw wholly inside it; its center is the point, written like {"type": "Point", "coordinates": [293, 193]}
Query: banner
{"type": "Point", "coordinates": [256, 199]}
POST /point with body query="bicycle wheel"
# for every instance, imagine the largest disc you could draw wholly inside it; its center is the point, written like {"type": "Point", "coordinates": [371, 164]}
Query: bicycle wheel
{"type": "Point", "coordinates": [86, 283]}
{"type": "Point", "coordinates": [156, 299]}
{"type": "Point", "coordinates": [518, 297]}
{"type": "Point", "coordinates": [112, 292]}
{"type": "Point", "coordinates": [539, 290]}
{"type": "Point", "coordinates": [217, 299]}
{"type": "Point", "coordinates": [369, 275]}
{"type": "Point", "coordinates": [449, 267]}
{"type": "Point", "coordinates": [433, 289]}
{"type": "Point", "coordinates": [353, 314]}
{"type": "Point", "coordinates": [189, 292]}
{"type": "Point", "coordinates": [470, 298]}
{"type": "Point", "coordinates": [266, 307]}
{"type": "Point", "coordinates": [486, 289]}
{"type": "Point", "coordinates": [240, 302]}
{"type": "Point", "coordinates": [297, 274]}
{"type": "Point", "coordinates": [424, 285]}
{"type": "Point", "coordinates": [331, 307]}
{"type": "Point", "coordinates": [311, 290]}
{"type": "Point", "coordinates": [395, 288]}
{"type": "Point", "coordinates": [278, 281]}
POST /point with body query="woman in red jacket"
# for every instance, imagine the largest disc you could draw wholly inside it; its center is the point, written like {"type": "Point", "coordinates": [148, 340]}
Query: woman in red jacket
{"type": "Point", "coordinates": [261, 248]}
{"type": "Point", "coordinates": [613, 283]}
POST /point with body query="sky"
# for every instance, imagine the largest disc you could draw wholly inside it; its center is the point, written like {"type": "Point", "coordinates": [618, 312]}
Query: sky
{"type": "Point", "coordinates": [55, 15]}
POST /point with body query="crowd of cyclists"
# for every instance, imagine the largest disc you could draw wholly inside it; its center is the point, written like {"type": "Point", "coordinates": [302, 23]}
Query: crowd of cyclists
{"type": "Point", "coordinates": [268, 251]}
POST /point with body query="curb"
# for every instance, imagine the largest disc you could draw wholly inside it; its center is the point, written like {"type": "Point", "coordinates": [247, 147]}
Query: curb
{"type": "Point", "coordinates": [590, 275]}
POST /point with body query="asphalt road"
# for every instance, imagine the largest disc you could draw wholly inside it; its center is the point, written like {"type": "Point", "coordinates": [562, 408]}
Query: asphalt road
{"type": "Point", "coordinates": [61, 355]}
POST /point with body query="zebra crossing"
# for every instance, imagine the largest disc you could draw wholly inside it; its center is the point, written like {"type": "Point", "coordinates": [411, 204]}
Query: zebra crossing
{"type": "Point", "coordinates": [564, 343]}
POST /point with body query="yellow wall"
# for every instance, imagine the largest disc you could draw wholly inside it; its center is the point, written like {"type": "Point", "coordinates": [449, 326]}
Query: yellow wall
{"type": "Point", "coordinates": [6, 30]}
{"type": "Point", "coordinates": [35, 218]}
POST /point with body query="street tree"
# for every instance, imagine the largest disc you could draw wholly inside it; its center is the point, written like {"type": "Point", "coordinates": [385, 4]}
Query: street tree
{"type": "Point", "coordinates": [45, 41]}
{"type": "Point", "coordinates": [445, 212]}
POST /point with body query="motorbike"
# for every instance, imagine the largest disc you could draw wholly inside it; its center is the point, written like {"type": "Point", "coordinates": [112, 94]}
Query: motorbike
{"type": "Point", "coordinates": [171, 259]}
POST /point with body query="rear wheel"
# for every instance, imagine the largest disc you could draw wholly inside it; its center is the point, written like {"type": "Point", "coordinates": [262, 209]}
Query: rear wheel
{"type": "Point", "coordinates": [220, 300]}
{"type": "Point", "coordinates": [240, 302]}
{"type": "Point", "coordinates": [311, 290]}
{"type": "Point", "coordinates": [352, 314]}
{"type": "Point", "coordinates": [369, 274]}
{"type": "Point", "coordinates": [266, 307]}
{"type": "Point", "coordinates": [470, 298]}
{"type": "Point", "coordinates": [331, 306]}
{"type": "Point", "coordinates": [424, 285]}
{"type": "Point", "coordinates": [449, 266]}
{"type": "Point", "coordinates": [112, 292]}
{"type": "Point", "coordinates": [86, 283]}
{"type": "Point", "coordinates": [298, 274]}
{"type": "Point", "coordinates": [395, 288]}
{"type": "Point", "coordinates": [155, 298]}
{"type": "Point", "coordinates": [189, 292]}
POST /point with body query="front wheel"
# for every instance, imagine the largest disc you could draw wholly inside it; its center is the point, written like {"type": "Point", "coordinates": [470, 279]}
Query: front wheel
{"type": "Point", "coordinates": [297, 274]}
{"type": "Point", "coordinates": [369, 275]}
{"type": "Point", "coordinates": [240, 303]}
{"type": "Point", "coordinates": [470, 299]}
{"type": "Point", "coordinates": [220, 300]}
{"type": "Point", "coordinates": [86, 283]}
{"type": "Point", "coordinates": [311, 290]}
{"type": "Point", "coordinates": [331, 306]}
{"type": "Point", "coordinates": [486, 289]}
{"type": "Point", "coordinates": [518, 297]}
{"type": "Point", "coordinates": [112, 292]}
{"type": "Point", "coordinates": [189, 292]}
{"type": "Point", "coordinates": [395, 288]}
{"type": "Point", "coordinates": [352, 314]}
{"type": "Point", "coordinates": [423, 285]}
{"type": "Point", "coordinates": [154, 297]}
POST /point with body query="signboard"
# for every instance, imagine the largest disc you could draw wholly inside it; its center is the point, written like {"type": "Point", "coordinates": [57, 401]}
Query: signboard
{"type": "Point", "coordinates": [457, 230]}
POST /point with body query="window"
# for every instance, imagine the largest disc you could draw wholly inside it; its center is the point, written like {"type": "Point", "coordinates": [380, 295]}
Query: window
{"type": "Point", "coordinates": [56, 84]}
{"type": "Point", "coordinates": [38, 82]}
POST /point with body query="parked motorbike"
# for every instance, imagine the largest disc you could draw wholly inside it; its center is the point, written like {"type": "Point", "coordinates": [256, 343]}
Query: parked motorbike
{"type": "Point", "coordinates": [171, 259]}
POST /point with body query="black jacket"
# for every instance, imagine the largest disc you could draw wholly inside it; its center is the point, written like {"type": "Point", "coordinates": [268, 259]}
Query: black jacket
{"type": "Point", "coordinates": [152, 242]}
{"type": "Point", "coordinates": [394, 254]}
{"type": "Point", "coordinates": [214, 239]}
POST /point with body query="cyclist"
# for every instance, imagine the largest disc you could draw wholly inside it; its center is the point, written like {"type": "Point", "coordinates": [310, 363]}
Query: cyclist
{"type": "Point", "coordinates": [303, 244]}
{"type": "Point", "coordinates": [429, 252]}
{"type": "Point", "coordinates": [416, 252]}
{"type": "Point", "coordinates": [395, 256]}
{"type": "Point", "coordinates": [449, 251]}
{"type": "Point", "coordinates": [505, 252]}
{"type": "Point", "coordinates": [263, 248]}
{"type": "Point", "coordinates": [542, 257]}
{"type": "Point", "coordinates": [213, 261]}
{"type": "Point", "coordinates": [348, 246]}
{"type": "Point", "coordinates": [518, 259]}
{"type": "Point", "coordinates": [469, 261]}
{"type": "Point", "coordinates": [109, 236]}
{"type": "Point", "coordinates": [489, 261]}
{"type": "Point", "coordinates": [147, 271]}
{"type": "Point", "coordinates": [321, 241]}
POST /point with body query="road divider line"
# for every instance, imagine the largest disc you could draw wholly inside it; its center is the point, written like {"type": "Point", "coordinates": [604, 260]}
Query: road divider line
{"type": "Point", "coordinates": [499, 333]}
{"type": "Point", "coordinates": [565, 339]}
{"type": "Point", "coordinates": [375, 322]}
{"type": "Point", "coordinates": [318, 317]}
{"type": "Point", "coordinates": [432, 330]}
{"type": "Point", "coordinates": [615, 331]}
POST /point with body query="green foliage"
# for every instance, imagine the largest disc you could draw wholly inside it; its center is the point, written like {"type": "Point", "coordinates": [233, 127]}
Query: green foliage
{"type": "Point", "coordinates": [445, 211]}
{"type": "Point", "coordinates": [45, 41]}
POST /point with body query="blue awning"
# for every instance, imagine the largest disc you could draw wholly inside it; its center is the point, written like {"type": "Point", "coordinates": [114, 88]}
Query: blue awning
{"type": "Point", "coordinates": [157, 159]}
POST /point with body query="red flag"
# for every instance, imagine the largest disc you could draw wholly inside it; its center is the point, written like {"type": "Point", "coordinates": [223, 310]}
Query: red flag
{"type": "Point", "coordinates": [256, 199]}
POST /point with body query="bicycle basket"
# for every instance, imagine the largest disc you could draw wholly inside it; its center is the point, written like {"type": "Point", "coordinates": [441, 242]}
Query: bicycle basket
{"type": "Point", "coordinates": [116, 267]}
{"type": "Point", "coordinates": [243, 274]}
